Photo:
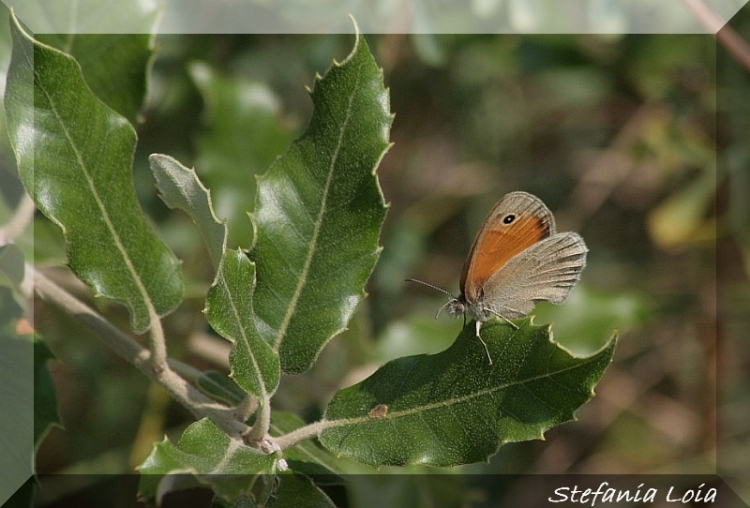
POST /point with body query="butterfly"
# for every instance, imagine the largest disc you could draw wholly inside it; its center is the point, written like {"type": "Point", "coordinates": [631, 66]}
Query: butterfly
{"type": "Point", "coordinates": [517, 260]}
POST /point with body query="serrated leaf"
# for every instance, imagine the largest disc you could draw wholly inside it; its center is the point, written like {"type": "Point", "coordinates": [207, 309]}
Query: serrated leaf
{"type": "Point", "coordinates": [115, 66]}
{"type": "Point", "coordinates": [255, 366]}
{"type": "Point", "coordinates": [213, 458]}
{"type": "Point", "coordinates": [319, 212]}
{"type": "Point", "coordinates": [181, 188]}
{"type": "Point", "coordinates": [75, 156]}
{"type": "Point", "coordinates": [454, 407]}
{"type": "Point", "coordinates": [229, 309]}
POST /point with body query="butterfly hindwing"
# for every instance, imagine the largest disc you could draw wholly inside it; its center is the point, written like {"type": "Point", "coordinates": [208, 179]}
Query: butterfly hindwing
{"type": "Point", "coordinates": [547, 270]}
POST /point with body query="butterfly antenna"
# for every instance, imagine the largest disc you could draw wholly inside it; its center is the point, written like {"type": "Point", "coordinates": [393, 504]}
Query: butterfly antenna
{"type": "Point", "coordinates": [438, 289]}
{"type": "Point", "coordinates": [430, 286]}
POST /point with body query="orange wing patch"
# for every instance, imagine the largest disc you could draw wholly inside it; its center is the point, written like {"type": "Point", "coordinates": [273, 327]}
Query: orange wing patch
{"type": "Point", "coordinates": [497, 244]}
{"type": "Point", "coordinates": [500, 243]}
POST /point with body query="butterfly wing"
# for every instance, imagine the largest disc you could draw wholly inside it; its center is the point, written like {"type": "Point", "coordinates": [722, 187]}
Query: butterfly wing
{"type": "Point", "coordinates": [547, 270]}
{"type": "Point", "coordinates": [500, 241]}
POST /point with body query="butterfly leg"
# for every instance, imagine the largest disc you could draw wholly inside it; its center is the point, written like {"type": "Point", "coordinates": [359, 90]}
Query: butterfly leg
{"type": "Point", "coordinates": [511, 323]}
{"type": "Point", "coordinates": [486, 349]}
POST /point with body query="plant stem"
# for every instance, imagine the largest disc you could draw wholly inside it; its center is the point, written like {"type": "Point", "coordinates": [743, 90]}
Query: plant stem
{"type": "Point", "coordinates": [247, 407]}
{"type": "Point", "coordinates": [157, 344]}
{"type": "Point", "coordinates": [307, 432]}
{"type": "Point", "coordinates": [262, 422]}
{"type": "Point", "coordinates": [189, 396]}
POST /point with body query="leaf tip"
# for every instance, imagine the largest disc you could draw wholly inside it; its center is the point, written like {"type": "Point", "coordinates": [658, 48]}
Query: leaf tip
{"type": "Point", "coordinates": [15, 22]}
{"type": "Point", "coordinates": [354, 22]}
{"type": "Point", "coordinates": [357, 34]}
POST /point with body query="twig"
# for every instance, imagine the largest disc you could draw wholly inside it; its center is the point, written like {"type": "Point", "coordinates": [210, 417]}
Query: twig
{"type": "Point", "coordinates": [307, 432]}
{"type": "Point", "coordinates": [189, 396]}
{"type": "Point", "coordinates": [262, 422]}
{"type": "Point", "coordinates": [247, 407]}
{"type": "Point", "coordinates": [157, 343]}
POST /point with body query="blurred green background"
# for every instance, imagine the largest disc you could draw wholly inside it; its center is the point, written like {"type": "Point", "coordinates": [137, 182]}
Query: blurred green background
{"type": "Point", "coordinates": [638, 142]}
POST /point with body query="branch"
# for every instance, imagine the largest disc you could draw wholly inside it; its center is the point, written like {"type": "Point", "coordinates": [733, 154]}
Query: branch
{"type": "Point", "coordinates": [193, 399]}
{"type": "Point", "coordinates": [307, 432]}
{"type": "Point", "coordinates": [157, 343]}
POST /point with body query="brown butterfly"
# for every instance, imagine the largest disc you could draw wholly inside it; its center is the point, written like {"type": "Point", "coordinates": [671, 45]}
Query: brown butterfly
{"type": "Point", "coordinates": [517, 259]}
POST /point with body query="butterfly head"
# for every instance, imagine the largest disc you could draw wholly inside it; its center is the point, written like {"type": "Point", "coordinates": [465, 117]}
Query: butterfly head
{"type": "Point", "coordinates": [455, 307]}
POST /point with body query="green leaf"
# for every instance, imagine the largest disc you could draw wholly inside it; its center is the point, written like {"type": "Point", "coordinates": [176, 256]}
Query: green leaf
{"type": "Point", "coordinates": [454, 407]}
{"type": "Point", "coordinates": [75, 156]}
{"type": "Point", "coordinates": [115, 66]}
{"type": "Point", "coordinates": [255, 366]}
{"type": "Point", "coordinates": [242, 138]}
{"type": "Point", "coordinates": [180, 188]}
{"type": "Point", "coordinates": [213, 458]}
{"type": "Point", "coordinates": [229, 308]}
{"type": "Point", "coordinates": [319, 212]}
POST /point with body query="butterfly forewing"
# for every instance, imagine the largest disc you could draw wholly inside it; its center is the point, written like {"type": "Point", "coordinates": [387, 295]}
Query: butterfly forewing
{"type": "Point", "coordinates": [517, 222]}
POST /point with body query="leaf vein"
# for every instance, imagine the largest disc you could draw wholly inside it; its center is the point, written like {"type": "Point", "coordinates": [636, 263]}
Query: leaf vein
{"type": "Point", "coordinates": [318, 224]}
{"type": "Point", "coordinates": [100, 204]}
{"type": "Point", "coordinates": [246, 342]}
{"type": "Point", "coordinates": [419, 410]}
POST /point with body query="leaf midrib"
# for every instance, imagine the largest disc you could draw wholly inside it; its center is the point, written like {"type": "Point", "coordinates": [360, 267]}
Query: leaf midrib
{"type": "Point", "coordinates": [455, 401]}
{"type": "Point", "coordinates": [229, 452]}
{"type": "Point", "coordinates": [317, 225]}
{"type": "Point", "coordinates": [100, 204]}
{"type": "Point", "coordinates": [245, 341]}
